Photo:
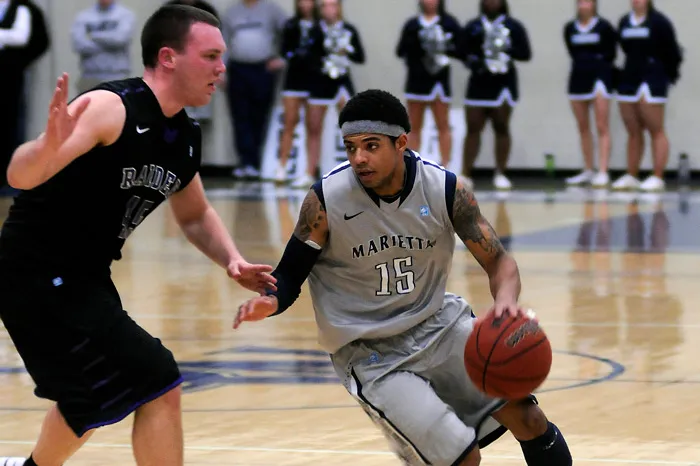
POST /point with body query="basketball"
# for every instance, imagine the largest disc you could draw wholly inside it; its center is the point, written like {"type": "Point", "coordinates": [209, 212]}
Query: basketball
{"type": "Point", "coordinates": [507, 357]}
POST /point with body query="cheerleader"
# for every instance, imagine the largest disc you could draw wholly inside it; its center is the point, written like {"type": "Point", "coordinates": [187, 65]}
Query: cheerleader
{"type": "Point", "coordinates": [652, 63]}
{"type": "Point", "coordinates": [296, 44]}
{"type": "Point", "coordinates": [426, 43]}
{"type": "Point", "coordinates": [335, 44]}
{"type": "Point", "coordinates": [492, 42]}
{"type": "Point", "coordinates": [592, 44]}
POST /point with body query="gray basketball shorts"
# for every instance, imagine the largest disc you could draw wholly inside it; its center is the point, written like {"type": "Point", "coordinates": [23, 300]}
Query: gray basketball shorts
{"type": "Point", "coordinates": [415, 387]}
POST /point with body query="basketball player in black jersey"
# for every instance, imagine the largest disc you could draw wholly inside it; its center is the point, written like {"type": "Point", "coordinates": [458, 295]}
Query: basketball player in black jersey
{"type": "Point", "coordinates": [105, 162]}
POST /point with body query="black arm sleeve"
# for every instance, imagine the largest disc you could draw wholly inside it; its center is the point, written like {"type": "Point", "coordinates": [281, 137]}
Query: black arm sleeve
{"type": "Point", "coordinates": [295, 266]}
{"type": "Point", "coordinates": [292, 271]}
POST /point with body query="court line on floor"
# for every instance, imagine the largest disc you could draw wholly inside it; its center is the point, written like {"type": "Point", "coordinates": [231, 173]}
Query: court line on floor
{"type": "Point", "coordinates": [545, 323]}
{"type": "Point", "coordinates": [357, 452]}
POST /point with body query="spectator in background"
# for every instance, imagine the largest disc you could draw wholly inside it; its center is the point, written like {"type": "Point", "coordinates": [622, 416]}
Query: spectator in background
{"type": "Point", "coordinates": [492, 43]}
{"type": "Point", "coordinates": [252, 30]}
{"type": "Point", "coordinates": [296, 46]}
{"type": "Point", "coordinates": [592, 44]}
{"type": "Point", "coordinates": [204, 113]}
{"type": "Point", "coordinates": [23, 39]}
{"type": "Point", "coordinates": [426, 42]}
{"type": "Point", "coordinates": [653, 60]}
{"type": "Point", "coordinates": [102, 37]}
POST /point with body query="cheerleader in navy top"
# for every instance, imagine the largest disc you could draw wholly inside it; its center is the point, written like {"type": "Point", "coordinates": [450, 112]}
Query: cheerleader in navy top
{"type": "Point", "coordinates": [491, 44]}
{"type": "Point", "coordinates": [592, 44]}
{"type": "Point", "coordinates": [335, 46]}
{"type": "Point", "coordinates": [296, 46]}
{"type": "Point", "coordinates": [652, 63]}
{"type": "Point", "coordinates": [426, 43]}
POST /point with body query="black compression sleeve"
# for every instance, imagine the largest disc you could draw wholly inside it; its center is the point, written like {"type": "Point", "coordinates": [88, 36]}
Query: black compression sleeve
{"type": "Point", "coordinates": [291, 272]}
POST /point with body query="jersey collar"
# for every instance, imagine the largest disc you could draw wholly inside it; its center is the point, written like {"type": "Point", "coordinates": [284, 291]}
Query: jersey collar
{"type": "Point", "coordinates": [410, 160]}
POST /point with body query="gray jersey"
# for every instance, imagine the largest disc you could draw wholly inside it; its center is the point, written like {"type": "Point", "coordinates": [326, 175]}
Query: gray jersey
{"type": "Point", "coordinates": [253, 32]}
{"type": "Point", "coordinates": [385, 266]}
{"type": "Point", "coordinates": [102, 38]}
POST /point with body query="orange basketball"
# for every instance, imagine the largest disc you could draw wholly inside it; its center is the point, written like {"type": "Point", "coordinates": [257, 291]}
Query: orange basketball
{"type": "Point", "coordinates": [509, 357]}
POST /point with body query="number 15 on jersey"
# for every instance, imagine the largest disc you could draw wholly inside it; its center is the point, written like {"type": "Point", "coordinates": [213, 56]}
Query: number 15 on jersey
{"type": "Point", "coordinates": [404, 279]}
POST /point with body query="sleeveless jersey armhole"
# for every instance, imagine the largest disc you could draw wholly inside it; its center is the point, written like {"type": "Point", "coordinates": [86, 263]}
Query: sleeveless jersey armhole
{"type": "Point", "coordinates": [318, 189]}
{"type": "Point", "coordinates": [450, 188]}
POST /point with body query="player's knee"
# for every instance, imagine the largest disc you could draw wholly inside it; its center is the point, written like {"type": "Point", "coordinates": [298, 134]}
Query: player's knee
{"type": "Point", "coordinates": [533, 421]}
{"type": "Point", "coordinates": [472, 459]}
{"type": "Point", "coordinates": [169, 401]}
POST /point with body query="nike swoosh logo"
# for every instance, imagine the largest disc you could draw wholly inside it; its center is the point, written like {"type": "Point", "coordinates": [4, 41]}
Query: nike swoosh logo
{"type": "Point", "coordinates": [348, 217]}
{"type": "Point", "coordinates": [141, 130]}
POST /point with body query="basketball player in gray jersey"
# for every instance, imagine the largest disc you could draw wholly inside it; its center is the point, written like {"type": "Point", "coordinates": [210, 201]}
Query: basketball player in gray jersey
{"type": "Point", "coordinates": [376, 238]}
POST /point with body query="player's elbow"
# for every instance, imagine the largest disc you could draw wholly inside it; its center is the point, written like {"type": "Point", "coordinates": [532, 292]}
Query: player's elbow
{"type": "Point", "coordinates": [18, 180]}
{"type": "Point", "coordinates": [503, 265]}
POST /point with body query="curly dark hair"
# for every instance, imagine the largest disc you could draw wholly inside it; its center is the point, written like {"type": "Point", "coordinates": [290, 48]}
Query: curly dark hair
{"type": "Point", "coordinates": [376, 105]}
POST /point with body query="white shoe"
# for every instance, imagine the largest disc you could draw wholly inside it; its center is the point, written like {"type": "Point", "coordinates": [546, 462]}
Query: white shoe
{"type": "Point", "coordinates": [8, 461]}
{"type": "Point", "coordinates": [626, 182]}
{"type": "Point", "coordinates": [584, 177]}
{"type": "Point", "coordinates": [303, 182]}
{"type": "Point", "coordinates": [281, 174]}
{"type": "Point", "coordinates": [653, 184]}
{"type": "Point", "coordinates": [252, 172]}
{"type": "Point", "coordinates": [600, 180]}
{"type": "Point", "coordinates": [246, 172]}
{"type": "Point", "coordinates": [500, 181]}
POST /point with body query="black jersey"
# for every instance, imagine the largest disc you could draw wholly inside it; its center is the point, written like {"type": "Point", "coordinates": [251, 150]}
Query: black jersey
{"type": "Point", "coordinates": [651, 48]}
{"type": "Point", "coordinates": [422, 39]}
{"type": "Point", "coordinates": [80, 218]}
{"type": "Point", "coordinates": [296, 41]}
{"type": "Point", "coordinates": [591, 47]}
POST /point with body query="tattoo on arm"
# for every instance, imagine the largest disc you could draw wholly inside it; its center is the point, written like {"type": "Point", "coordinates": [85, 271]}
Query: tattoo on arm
{"type": "Point", "coordinates": [312, 219]}
{"type": "Point", "coordinates": [474, 230]}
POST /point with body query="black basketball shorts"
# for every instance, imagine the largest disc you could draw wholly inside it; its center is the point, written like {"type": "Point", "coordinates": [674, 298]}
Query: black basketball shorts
{"type": "Point", "coordinates": [80, 347]}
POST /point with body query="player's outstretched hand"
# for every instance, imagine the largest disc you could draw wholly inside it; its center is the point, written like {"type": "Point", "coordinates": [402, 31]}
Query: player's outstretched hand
{"type": "Point", "coordinates": [61, 122]}
{"type": "Point", "coordinates": [255, 277]}
{"type": "Point", "coordinates": [511, 309]}
{"type": "Point", "coordinates": [257, 308]}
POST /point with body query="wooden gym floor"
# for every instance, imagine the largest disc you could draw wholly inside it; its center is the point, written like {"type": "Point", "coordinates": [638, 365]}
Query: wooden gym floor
{"type": "Point", "coordinates": [613, 278]}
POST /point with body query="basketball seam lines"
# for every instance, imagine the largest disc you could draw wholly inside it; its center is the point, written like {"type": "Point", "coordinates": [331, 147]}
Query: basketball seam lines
{"type": "Point", "coordinates": [506, 361]}
{"type": "Point", "coordinates": [493, 348]}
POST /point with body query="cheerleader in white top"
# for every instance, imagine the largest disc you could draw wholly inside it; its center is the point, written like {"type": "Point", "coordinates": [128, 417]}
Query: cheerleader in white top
{"type": "Point", "coordinates": [592, 43]}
